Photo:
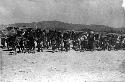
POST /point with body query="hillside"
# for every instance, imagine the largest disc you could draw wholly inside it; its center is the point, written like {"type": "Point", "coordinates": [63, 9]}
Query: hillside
{"type": "Point", "coordinates": [68, 26]}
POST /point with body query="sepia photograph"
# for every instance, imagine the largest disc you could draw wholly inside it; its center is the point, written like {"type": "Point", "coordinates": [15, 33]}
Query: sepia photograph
{"type": "Point", "coordinates": [62, 40]}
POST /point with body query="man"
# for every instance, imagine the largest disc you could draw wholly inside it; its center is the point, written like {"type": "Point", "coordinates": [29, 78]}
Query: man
{"type": "Point", "coordinates": [91, 41]}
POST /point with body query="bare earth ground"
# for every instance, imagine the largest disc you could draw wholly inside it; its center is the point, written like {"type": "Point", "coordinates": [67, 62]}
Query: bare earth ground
{"type": "Point", "coordinates": [69, 66]}
{"type": "Point", "coordinates": [64, 67]}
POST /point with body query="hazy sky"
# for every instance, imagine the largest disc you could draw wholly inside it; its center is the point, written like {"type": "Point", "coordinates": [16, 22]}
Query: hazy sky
{"type": "Point", "coordinates": [106, 12]}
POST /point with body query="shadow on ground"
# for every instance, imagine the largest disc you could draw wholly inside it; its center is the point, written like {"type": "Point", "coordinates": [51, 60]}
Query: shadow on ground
{"type": "Point", "coordinates": [7, 50]}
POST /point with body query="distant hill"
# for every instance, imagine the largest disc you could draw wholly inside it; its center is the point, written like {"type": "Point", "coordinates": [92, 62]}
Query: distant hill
{"type": "Point", "coordinates": [68, 26]}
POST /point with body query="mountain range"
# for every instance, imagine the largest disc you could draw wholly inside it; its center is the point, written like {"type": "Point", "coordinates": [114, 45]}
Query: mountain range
{"type": "Point", "coordinates": [58, 25]}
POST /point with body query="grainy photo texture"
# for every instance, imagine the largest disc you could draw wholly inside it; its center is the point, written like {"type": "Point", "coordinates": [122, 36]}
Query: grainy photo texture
{"type": "Point", "coordinates": [62, 40]}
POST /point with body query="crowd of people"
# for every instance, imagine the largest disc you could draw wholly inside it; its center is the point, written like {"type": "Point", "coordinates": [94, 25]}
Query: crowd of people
{"type": "Point", "coordinates": [31, 40]}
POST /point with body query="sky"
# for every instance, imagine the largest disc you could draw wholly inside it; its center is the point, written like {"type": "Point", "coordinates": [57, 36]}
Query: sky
{"type": "Point", "coordinates": [100, 12]}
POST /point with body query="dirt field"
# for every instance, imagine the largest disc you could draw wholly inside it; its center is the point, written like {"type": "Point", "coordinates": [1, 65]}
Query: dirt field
{"type": "Point", "coordinates": [69, 66]}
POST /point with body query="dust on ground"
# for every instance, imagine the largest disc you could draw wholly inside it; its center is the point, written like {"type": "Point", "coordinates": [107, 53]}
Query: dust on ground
{"type": "Point", "coordinates": [72, 66]}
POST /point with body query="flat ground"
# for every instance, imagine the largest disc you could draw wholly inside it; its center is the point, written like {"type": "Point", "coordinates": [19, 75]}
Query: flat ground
{"type": "Point", "coordinates": [69, 66]}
